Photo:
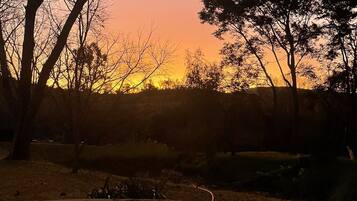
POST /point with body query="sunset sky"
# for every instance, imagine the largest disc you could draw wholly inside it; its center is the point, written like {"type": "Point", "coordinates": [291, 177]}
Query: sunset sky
{"type": "Point", "coordinates": [174, 21]}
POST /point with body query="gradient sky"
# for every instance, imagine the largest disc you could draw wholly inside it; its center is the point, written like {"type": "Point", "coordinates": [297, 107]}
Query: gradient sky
{"type": "Point", "coordinates": [174, 20]}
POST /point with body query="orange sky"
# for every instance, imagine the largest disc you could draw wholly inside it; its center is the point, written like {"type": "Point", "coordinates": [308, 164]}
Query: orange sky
{"type": "Point", "coordinates": [174, 20]}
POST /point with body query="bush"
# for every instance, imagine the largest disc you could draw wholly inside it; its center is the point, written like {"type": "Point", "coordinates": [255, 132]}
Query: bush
{"type": "Point", "coordinates": [130, 189]}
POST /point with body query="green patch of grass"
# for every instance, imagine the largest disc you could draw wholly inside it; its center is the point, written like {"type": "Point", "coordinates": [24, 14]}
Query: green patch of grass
{"type": "Point", "coordinates": [4, 149]}
{"type": "Point", "coordinates": [128, 151]}
{"type": "Point", "coordinates": [61, 152]}
{"type": "Point", "coordinates": [269, 155]}
{"type": "Point", "coordinates": [225, 168]}
{"type": "Point", "coordinates": [126, 159]}
{"type": "Point", "coordinates": [132, 159]}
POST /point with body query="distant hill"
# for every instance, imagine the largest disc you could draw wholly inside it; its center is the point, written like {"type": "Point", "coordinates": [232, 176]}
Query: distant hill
{"type": "Point", "coordinates": [195, 120]}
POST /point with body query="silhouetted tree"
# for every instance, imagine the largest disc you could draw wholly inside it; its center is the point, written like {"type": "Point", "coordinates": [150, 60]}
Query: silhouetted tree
{"type": "Point", "coordinates": [170, 84]}
{"type": "Point", "coordinates": [84, 75]}
{"type": "Point", "coordinates": [341, 31]}
{"type": "Point", "coordinates": [340, 28]}
{"type": "Point", "coordinates": [149, 86]}
{"type": "Point", "coordinates": [87, 68]}
{"type": "Point", "coordinates": [24, 99]}
{"type": "Point", "coordinates": [283, 27]}
{"type": "Point", "coordinates": [202, 74]}
{"type": "Point", "coordinates": [247, 47]}
{"type": "Point", "coordinates": [141, 58]}
{"type": "Point", "coordinates": [244, 72]}
{"type": "Point", "coordinates": [83, 70]}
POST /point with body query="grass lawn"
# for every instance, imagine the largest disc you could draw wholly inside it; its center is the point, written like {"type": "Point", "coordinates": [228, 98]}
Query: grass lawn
{"type": "Point", "coordinates": [150, 159]}
{"type": "Point", "coordinates": [47, 176]}
{"type": "Point", "coordinates": [37, 181]}
{"type": "Point", "coordinates": [42, 181]}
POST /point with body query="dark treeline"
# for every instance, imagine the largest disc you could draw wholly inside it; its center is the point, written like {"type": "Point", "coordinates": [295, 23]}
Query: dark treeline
{"type": "Point", "coordinates": [201, 121]}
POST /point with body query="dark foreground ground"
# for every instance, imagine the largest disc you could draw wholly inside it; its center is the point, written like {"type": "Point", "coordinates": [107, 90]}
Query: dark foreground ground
{"type": "Point", "coordinates": [37, 181]}
{"type": "Point", "coordinates": [48, 175]}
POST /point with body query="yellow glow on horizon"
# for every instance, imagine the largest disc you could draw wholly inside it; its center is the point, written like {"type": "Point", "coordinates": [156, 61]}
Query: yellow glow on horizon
{"type": "Point", "coordinates": [178, 22]}
{"type": "Point", "coordinates": [175, 21]}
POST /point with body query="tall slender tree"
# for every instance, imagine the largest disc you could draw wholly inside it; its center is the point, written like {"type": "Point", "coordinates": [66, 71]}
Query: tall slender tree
{"type": "Point", "coordinates": [340, 17]}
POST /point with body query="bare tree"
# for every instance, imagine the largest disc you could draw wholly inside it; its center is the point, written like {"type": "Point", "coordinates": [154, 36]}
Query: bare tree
{"type": "Point", "coordinates": [84, 73]}
{"type": "Point", "coordinates": [83, 68]}
{"type": "Point", "coordinates": [141, 58]}
{"type": "Point", "coordinates": [24, 98]}
{"type": "Point", "coordinates": [103, 66]}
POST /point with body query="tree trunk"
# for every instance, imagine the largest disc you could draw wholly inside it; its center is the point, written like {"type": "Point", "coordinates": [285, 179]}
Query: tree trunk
{"type": "Point", "coordinates": [76, 152]}
{"type": "Point", "coordinates": [275, 101]}
{"type": "Point", "coordinates": [76, 139]}
{"type": "Point", "coordinates": [351, 127]}
{"type": "Point", "coordinates": [76, 123]}
{"type": "Point", "coordinates": [295, 111]}
{"type": "Point", "coordinates": [21, 145]}
{"type": "Point", "coordinates": [270, 122]}
{"type": "Point", "coordinates": [294, 88]}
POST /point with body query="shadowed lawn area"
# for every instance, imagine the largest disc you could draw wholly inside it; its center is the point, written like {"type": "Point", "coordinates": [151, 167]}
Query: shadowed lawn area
{"type": "Point", "coordinates": [37, 181]}
{"type": "Point", "coordinates": [41, 180]}
{"type": "Point", "coordinates": [151, 159]}
{"type": "Point", "coordinates": [335, 179]}
{"type": "Point", "coordinates": [126, 160]}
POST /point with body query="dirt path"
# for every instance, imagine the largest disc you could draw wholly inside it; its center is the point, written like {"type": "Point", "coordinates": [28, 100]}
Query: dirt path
{"type": "Point", "coordinates": [205, 190]}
